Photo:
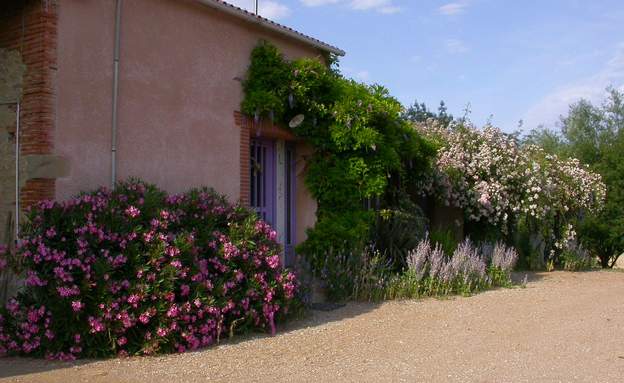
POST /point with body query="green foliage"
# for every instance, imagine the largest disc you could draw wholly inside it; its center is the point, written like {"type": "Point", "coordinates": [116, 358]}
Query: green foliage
{"type": "Point", "coordinates": [600, 235]}
{"type": "Point", "coordinates": [419, 112]}
{"type": "Point", "coordinates": [361, 143]}
{"type": "Point", "coordinates": [575, 258]}
{"type": "Point", "coordinates": [370, 278]}
{"type": "Point", "coordinates": [595, 135]}
{"type": "Point", "coordinates": [263, 88]}
{"type": "Point", "coordinates": [445, 239]}
{"type": "Point", "coordinates": [399, 229]}
{"type": "Point", "coordinates": [545, 138]}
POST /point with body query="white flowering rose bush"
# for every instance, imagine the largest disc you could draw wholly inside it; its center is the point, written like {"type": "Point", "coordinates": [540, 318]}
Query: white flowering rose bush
{"type": "Point", "coordinates": [479, 171]}
{"type": "Point", "coordinates": [560, 186]}
{"type": "Point", "coordinates": [497, 181]}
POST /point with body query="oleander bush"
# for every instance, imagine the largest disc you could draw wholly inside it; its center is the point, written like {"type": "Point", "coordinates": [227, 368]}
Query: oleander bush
{"type": "Point", "coordinates": [134, 271]}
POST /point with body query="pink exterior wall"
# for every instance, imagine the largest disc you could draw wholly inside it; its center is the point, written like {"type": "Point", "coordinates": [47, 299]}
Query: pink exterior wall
{"type": "Point", "coordinates": [305, 205]}
{"type": "Point", "coordinates": [179, 61]}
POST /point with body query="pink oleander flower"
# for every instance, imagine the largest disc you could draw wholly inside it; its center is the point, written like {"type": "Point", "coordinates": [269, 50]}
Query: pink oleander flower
{"type": "Point", "coordinates": [32, 279]}
{"type": "Point", "coordinates": [96, 325]}
{"type": "Point", "coordinates": [75, 349]}
{"type": "Point", "coordinates": [77, 306]}
{"type": "Point", "coordinates": [162, 332]}
{"type": "Point", "coordinates": [134, 299]}
{"type": "Point", "coordinates": [230, 250]}
{"type": "Point", "coordinates": [68, 291]}
{"type": "Point", "coordinates": [185, 290]}
{"type": "Point", "coordinates": [272, 235]}
{"type": "Point", "coordinates": [273, 261]}
{"type": "Point", "coordinates": [172, 251]}
{"type": "Point", "coordinates": [173, 311]}
{"type": "Point", "coordinates": [133, 212]}
{"type": "Point", "coordinates": [144, 318]}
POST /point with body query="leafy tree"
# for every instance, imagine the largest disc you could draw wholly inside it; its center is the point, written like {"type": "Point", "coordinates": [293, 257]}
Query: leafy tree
{"type": "Point", "coordinates": [419, 112]}
{"type": "Point", "coordinates": [595, 135]}
{"type": "Point", "coordinates": [548, 139]}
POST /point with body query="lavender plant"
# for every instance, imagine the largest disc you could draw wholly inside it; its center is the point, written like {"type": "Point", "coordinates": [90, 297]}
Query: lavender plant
{"type": "Point", "coordinates": [576, 258]}
{"type": "Point", "coordinates": [431, 272]}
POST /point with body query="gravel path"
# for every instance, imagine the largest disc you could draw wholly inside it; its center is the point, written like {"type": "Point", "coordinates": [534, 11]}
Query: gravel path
{"type": "Point", "coordinates": [564, 327]}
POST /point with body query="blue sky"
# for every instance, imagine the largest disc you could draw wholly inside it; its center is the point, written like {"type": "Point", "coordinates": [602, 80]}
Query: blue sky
{"type": "Point", "coordinates": [509, 60]}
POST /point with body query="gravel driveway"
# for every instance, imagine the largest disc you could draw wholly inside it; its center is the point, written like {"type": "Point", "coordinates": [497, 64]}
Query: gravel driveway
{"type": "Point", "coordinates": [564, 327]}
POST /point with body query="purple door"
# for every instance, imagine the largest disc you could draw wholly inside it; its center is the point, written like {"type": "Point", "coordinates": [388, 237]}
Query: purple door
{"type": "Point", "coordinates": [263, 186]}
{"type": "Point", "coordinates": [262, 175]}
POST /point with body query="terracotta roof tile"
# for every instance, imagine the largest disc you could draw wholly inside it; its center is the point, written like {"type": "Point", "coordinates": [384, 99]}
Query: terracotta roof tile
{"type": "Point", "coordinates": [263, 21]}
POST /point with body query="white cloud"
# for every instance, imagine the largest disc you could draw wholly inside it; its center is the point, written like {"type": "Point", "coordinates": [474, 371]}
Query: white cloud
{"type": "Point", "coordinates": [451, 9]}
{"type": "Point", "coordinates": [316, 3]}
{"type": "Point", "coordinates": [273, 10]}
{"type": "Point", "coordinates": [592, 88]}
{"type": "Point", "coordinates": [270, 9]}
{"type": "Point", "coordinates": [382, 6]}
{"type": "Point", "coordinates": [369, 4]}
{"type": "Point", "coordinates": [390, 10]}
{"type": "Point", "coordinates": [362, 75]}
{"type": "Point", "coordinates": [455, 46]}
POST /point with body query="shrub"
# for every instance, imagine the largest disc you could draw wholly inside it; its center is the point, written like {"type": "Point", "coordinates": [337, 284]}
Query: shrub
{"type": "Point", "coordinates": [431, 272]}
{"type": "Point", "coordinates": [576, 258]}
{"type": "Point", "coordinates": [361, 147]}
{"type": "Point", "coordinates": [502, 261]}
{"type": "Point", "coordinates": [134, 271]}
{"type": "Point", "coordinates": [399, 230]}
{"type": "Point", "coordinates": [499, 182]}
{"type": "Point", "coordinates": [372, 275]}
{"type": "Point", "coordinates": [445, 239]}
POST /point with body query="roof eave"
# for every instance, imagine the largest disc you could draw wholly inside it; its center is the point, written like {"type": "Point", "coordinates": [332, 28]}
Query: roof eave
{"type": "Point", "coordinates": [266, 23]}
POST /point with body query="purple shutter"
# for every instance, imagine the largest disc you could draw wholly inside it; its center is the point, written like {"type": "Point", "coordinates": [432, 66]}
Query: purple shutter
{"type": "Point", "coordinates": [262, 198]}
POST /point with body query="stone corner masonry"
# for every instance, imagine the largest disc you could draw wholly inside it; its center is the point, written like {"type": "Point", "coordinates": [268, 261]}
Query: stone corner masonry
{"type": "Point", "coordinates": [30, 27]}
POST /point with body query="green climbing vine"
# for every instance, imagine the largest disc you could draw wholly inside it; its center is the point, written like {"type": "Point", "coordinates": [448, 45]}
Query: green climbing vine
{"type": "Point", "coordinates": [363, 148]}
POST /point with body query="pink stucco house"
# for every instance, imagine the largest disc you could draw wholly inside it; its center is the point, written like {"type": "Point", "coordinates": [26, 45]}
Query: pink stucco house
{"type": "Point", "coordinates": [151, 88]}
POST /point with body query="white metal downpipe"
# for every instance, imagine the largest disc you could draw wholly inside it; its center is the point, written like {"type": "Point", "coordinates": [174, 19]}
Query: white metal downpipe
{"type": "Point", "coordinates": [115, 92]}
{"type": "Point", "coordinates": [17, 166]}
